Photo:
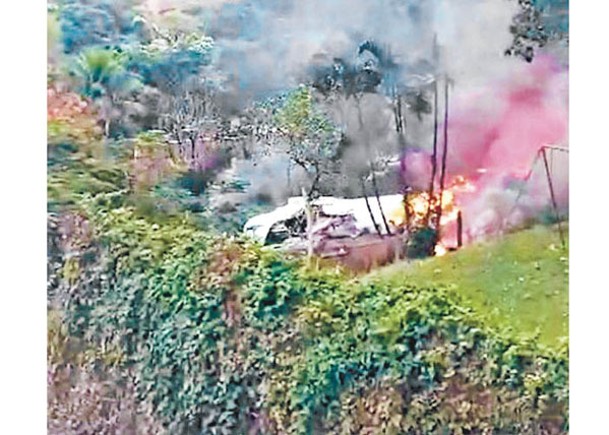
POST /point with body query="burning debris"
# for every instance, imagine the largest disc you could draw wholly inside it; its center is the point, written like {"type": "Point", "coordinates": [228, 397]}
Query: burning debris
{"type": "Point", "coordinates": [334, 218]}
{"type": "Point", "coordinates": [342, 227]}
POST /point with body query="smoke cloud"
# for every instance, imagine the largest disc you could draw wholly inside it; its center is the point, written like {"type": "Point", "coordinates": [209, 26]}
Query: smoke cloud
{"type": "Point", "coordinates": [501, 109]}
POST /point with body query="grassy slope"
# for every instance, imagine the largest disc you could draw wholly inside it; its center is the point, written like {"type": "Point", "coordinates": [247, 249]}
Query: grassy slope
{"type": "Point", "coordinates": [520, 281]}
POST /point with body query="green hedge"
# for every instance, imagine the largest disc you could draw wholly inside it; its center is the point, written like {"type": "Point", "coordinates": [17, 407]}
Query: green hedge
{"type": "Point", "coordinates": [223, 338]}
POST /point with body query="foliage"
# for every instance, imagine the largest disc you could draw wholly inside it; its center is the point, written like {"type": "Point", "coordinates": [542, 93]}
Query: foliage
{"type": "Point", "coordinates": [171, 58]}
{"type": "Point", "coordinates": [152, 160]}
{"type": "Point", "coordinates": [76, 157]}
{"type": "Point", "coordinates": [547, 216]}
{"type": "Point", "coordinates": [93, 23]}
{"type": "Point", "coordinates": [416, 342]}
{"type": "Point", "coordinates": [536, 23]}
{"type": "Point", "coordinates": [313, 141]}
{"type": "Point", "coordinates": [421, 243]}
{"type": "Point", "coordinates": [87, 393]}
{"type": "Point", "coordinates": [76, 168]}
{"type": "Point", "coordinates": [555, 15]}
{"type": "Point", "coordinates": [166, 326]}
{"type": "Point", "coordinates": [70, 118]}
{"type": "Point", "coordinates": [81, 400]}
{"type": "Point", "coordinates": [172, 325]}
{"type": "Point", "coordinates": [102, 71]}
{"type": "Point", "coordinates": [373, 65]}
{"type": "Point", "coordinates": [218, 336]}
{"type": "Point", "coordinates": [53, 36]}
{"type": "Point", "coordinates": [224, 338]}
{"type": "Point", "coordinates": [123, 63]}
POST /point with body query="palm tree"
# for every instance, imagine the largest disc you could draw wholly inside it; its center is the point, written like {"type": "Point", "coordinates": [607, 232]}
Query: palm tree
{"type": "Point", "coordinates": [104, 78]}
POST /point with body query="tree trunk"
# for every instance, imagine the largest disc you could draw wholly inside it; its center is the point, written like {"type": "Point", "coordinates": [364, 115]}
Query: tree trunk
{"type": "Point", "coordinates": [107, 127]}
{"type": "Point", "coordinates": [378, 201]}
{"type": "Point", "coordinates": [399, 128]}
{"type": "Point", "coordinates": [106, 106]}
{"type": "Point", "coordinates": [434, 156]}
{"type": "Point", "coordinates": [310, 218]}
{"type": "Point", "coordinates": [376, 226]}
{"type": "Point", "coordinates": [192, 148]}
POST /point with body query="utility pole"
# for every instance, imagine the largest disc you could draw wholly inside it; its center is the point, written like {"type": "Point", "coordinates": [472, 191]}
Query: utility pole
{"type": "Point", "coordinates": [444, 156]}
{"type": "Point", "coordinates": [434, 155]}
{"type": "Point", "coordinates": [541, 152]}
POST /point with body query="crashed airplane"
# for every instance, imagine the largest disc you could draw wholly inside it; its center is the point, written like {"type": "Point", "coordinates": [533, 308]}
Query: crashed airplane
{"type": "Point", "coordinates": [350, 230]}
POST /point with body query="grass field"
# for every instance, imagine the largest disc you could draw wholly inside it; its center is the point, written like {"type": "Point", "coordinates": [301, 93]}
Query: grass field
{"type": "Point", "coordinates": [519, 281]}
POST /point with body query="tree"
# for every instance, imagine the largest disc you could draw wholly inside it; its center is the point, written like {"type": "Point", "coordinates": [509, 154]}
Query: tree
{"type": "Point", "coordinates": [349, 83]}
{"type": "Point", "coordinates": [312, 140]}
{"type": "Point", "coordinates": [536, 24]}
{"type": "Point", "coordinates": [184, 117]}
{"type": "Point", "coordinates": [53, 36]}
{"type": "Point", "coordinates": [102, 76]}
{"type": "Point", "coordinates": [312, 144]}
{"type": "Point", "coordinates": [170, 64]}
{"type": "Point", "coordinates": [170, 58]}
{"type": "Point", "coordinates": [88, 23]}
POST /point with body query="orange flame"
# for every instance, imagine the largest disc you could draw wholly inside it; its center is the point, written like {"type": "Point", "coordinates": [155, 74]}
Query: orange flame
{"type": "Point", "coordinates": [419, 204]}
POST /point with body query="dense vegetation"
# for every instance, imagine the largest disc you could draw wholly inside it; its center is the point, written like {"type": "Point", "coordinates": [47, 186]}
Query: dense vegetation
{"type": "Point", "coordinates": [226, 339]}
{"type": "Point", "coordinates": [160, 323]}
{"type": "Point", "coordinates": [212, 335]}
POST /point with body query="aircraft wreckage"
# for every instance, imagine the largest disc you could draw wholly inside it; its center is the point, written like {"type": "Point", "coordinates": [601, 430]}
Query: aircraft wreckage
{"type": "Point", "coordinates": [352, 231]}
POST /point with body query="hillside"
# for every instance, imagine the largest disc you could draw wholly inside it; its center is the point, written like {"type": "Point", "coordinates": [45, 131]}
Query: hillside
{"type": "Point", "coordinates": [171, 127]}
{"type": "Point", "coordinates": [519, 281]}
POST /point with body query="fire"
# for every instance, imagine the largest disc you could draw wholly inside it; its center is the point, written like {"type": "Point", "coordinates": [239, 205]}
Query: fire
{"type": "Point", "coordinates": [419, 204]}
{"type": "Point", "coordinates": [420, 207]}
{"type": "Point", "coordinates": [462, 184]}
{"type": "Point", "coordinates": [440, 250]}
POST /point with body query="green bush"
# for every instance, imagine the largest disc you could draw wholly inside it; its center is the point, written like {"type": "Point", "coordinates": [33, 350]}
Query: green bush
{"type": "Point", "coordinates": [223, 338]}
{"type": "Point", "coordinates": [421, 243]}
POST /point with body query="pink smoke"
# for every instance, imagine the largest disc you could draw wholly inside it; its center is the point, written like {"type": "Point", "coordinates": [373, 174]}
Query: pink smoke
{"type": "Point", "coordinates": [502, 129]}
{"type": "Point", "coordinates": [494, 135]}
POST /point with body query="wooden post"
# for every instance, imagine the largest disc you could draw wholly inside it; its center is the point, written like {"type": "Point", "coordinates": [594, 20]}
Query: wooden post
{"type": "Point", "coordinates": [552, 196]}
{"type": "Point", "coordinates": [407, 215]}
{"type": "Point", "coordinates": [459, 229]}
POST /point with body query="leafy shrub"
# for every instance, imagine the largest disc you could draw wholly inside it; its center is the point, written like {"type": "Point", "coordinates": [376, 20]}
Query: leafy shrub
{"type": "Point", "coordinates": [421, 243]}
{"type": "Point", "coordinates": [223, 338]}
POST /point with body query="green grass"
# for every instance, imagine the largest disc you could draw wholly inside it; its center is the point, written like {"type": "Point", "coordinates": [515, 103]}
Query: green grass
{"type": "Point", "coordinates": [518, 282]}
